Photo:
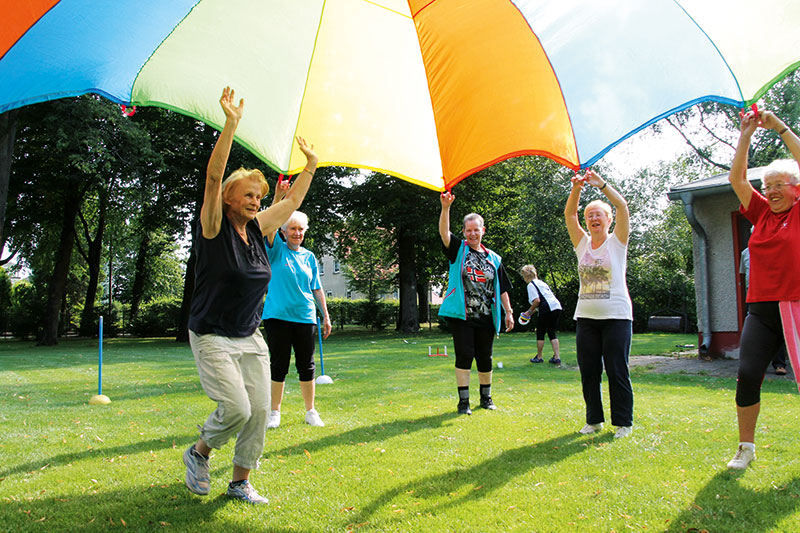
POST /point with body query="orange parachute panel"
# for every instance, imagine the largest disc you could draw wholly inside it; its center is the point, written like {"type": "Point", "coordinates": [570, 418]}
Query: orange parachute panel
{"type": "Point", "coordinates": [19, 16]}
{"type": "Point", "coordinates": [492, 87]}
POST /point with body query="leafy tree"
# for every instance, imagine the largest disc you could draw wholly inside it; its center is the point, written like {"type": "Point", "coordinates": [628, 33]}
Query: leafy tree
{"type": "Point", "coordinates": [69, 156]}
{"type": "Point", "coordinates": [411, 213]}
{"type": "Point", "coordinates": [370, 265]}
{"type": "Point", "coordinates": [8, 129]}
{"type": "Point", "coordinates": [5, 300]}
{"type": "Point", "coordinates": [711, 129]}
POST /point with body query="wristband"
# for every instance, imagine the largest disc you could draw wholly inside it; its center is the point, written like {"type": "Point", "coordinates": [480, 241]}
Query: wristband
{"type": "Point", "coordinates": [306, 170]}
{"type": "Point", "coordinates": [784, 130]}
{"type": "Point", "coordinates": [604, 186]}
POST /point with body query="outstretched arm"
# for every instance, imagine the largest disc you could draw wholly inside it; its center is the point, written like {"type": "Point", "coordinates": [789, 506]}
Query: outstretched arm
{"type": "Point", "coordinates": [738, 174]}
{"type": "Point", "coordinates": [281, 189]}
{"type": "Point", "coordinates": [447, 199]}
{"type": "Point", "coordinates": [271, 219]}
{"type": "Point", "coordinates": [211, 212]}
{"type": "Point", "coordinates": [768, 120]}
{"type": "Point", "coordinates": [576, 233]}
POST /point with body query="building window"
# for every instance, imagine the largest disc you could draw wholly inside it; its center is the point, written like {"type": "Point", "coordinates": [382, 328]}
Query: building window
{"type": "Point", "coordinates": [322, 268]}
{"type": "Point", "coordinates": [349, 294]}
{"type": "Point", "coordinates": [336, 267]}
{"type": "Point", "coordinates": [329, 294]}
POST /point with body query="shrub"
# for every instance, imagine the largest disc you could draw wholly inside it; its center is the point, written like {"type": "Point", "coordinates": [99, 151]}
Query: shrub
{"type": "Point", "coordinates": [27, 308]}
{"type": "Point", "coordinates": [157, 318]}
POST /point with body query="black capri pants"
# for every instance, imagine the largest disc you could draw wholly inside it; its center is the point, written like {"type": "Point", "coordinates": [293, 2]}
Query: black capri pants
{"type": "Point", "coordinates": [282, 336]}
{"type": "Point", "coordinates": [605, 344]}
{"type": "Point", "coordinates": [470, 343]}
{"type": "Point", "coordinates": [762, 334]}
{"type": "Point", "coordinates": [547, 323]}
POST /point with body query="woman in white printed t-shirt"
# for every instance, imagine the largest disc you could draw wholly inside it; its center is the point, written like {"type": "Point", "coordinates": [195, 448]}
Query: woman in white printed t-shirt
{"type": "Point", "coordinates": [604, 313]}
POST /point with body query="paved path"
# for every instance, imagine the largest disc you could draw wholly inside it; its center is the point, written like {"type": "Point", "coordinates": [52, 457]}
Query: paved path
{"type": "Point", "coordinates": [690, 363]}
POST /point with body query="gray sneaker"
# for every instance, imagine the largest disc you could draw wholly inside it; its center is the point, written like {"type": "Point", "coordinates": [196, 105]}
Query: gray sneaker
{"type": "Point", "coordinates": [197, 479]}
{"type": "Point", "coordinates": [588, 429]}
{"type": "Point", "coordinates": [243, 490]}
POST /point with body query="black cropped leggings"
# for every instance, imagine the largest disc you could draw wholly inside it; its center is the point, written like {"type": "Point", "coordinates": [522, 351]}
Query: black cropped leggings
{"type": "Point", "coordinates": [472, 343]}
{"type": "Point", "coordinates": [282, 336]}
{"type": "Point", "coordinates": [762, 335]}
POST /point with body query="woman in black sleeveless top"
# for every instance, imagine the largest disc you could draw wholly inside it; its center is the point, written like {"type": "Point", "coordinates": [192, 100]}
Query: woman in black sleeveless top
{"type": "Point", "coordinates": [231, 279]}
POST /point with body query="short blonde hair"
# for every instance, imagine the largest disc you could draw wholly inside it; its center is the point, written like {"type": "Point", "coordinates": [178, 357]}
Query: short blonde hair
{"type": "Point", "coordinates": [528, 272]}
{"type": "Point", "coordinates": [299, 217]}
{"type": "Point", "coordinates": [786, 168]}
{"type": "Point", "coordinates": [245, 173]}
{"type": "Point", "coordinates": [601, 204]}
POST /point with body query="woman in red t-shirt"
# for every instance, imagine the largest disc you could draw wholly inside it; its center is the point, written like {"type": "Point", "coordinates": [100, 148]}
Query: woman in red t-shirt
{"type": "Point", "coordinates": [774, 254]}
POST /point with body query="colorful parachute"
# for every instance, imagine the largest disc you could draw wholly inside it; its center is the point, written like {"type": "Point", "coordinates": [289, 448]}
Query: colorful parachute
{"type": "Point", "coordinates": [426, 90]}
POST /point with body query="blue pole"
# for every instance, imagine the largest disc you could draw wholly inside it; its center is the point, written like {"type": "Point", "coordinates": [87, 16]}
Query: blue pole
{"type": "Point", "coordinates": [100, 363]}
{"type": "Point", "coordinates": [319, 332]}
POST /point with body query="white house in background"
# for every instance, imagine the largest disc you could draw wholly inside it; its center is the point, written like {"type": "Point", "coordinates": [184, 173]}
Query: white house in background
{"type": "Point", "coordinates": [334, 282]}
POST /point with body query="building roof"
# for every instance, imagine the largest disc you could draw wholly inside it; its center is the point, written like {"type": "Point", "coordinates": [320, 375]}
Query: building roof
{"type": "Point", "coordinates": [713, 185]}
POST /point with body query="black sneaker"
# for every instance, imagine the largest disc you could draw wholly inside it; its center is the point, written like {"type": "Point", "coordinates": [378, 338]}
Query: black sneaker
{"type": "Point", "coordinates": [537, 360]}
{"type": "Point", "coordinates": [463, 408]}
{"type": "Point", "coordinates": [487, 403]}
{"type": "Point", "coordinates": [554, 361]}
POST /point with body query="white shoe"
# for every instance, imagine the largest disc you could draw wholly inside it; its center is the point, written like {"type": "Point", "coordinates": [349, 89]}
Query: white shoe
{"type": "Point", "coordinates": [588, 429]}
{"type": "Point", "coordinates": [744, 456]}
{"type": "Point", "coordinates": [313, 419]}
{"type": "Point", "coordinates": [274, 419]}
{"type": "Point", "coordinates": [623, 431]}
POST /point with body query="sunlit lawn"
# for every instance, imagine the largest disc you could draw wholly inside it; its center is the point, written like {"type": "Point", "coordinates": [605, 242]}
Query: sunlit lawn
{"type": "Point", "coordinates": [394, 456]}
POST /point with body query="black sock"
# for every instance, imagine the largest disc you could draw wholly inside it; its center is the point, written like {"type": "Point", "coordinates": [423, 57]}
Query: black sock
{"type": "Point", "coordinates": [237, 483]}
{"type": "Point", "coordinates": [463, 393]}
{"type": "Point", "coordinates": [486, 390]}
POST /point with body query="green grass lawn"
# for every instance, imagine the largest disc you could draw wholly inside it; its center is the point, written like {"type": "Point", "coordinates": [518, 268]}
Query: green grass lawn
{"type": "Point", "coordinates": [393, 456]}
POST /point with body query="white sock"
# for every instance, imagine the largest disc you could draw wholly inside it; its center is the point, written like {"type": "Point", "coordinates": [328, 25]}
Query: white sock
{"type": "Point", "coordinates": [749, 445]}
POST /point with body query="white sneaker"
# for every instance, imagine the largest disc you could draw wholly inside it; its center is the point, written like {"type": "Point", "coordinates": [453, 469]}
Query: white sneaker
{"type": "Point", "coordinates": [623, 431]}
{"type": "Point", "coordinates": [588, 429]}
{"type": "Point", "coordinates": [744, 456]}
{"type": "Point", "coordinates": [274, 419]}
{"type": "Point", "coordinates": [313, 419]}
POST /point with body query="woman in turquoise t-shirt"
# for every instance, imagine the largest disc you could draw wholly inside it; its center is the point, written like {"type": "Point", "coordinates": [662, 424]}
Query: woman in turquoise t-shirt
{"type": "Point", "coordinates": [290, 313]}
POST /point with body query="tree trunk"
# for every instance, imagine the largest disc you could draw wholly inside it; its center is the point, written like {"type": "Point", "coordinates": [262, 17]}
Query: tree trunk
{"type": "Point", "coordinates": [58, 282]}
{"type": "Point", "coordinates": [140, 275]}
{"type": "Point", "coordinates": [422, 300]}
{"type": "Point", "coordinates": [408, 314]}
{"type": "Point", "coordinates": [94, 253]}
{"type": "Point", "coordinates": [186, 303]}
{"type": "Point", "coordinates": [8, 130]}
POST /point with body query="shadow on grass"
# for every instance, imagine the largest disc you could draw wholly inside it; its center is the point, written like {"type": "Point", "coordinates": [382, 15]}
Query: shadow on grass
{"type": "Point", "coordinates": [436, 493]}
{"type": "Point", "coordinates": [179, 441]}
{"type": "Point", "coordinates": [725, 505]}
{"type": "Point", "coordinates": [375, 432]}
{"type": "Point", "coordinates": [168, 507]}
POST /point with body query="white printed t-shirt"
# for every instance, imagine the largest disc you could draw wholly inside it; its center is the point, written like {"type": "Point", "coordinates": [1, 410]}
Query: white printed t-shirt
{"type": "Point", "coordinates": [604, 292]}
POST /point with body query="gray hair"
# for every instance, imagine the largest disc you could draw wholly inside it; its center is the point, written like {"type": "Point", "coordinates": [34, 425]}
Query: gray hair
{"type": "Point", "coordinates": [298, 217]}
{"type": "Point", "coordinates": [473, 216]}
{"type": "Point", "coordinates": [783, 167]}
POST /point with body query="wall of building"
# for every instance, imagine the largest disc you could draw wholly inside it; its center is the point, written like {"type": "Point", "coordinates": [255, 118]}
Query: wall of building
{"type": "Point", "coordinates": [714, 214]}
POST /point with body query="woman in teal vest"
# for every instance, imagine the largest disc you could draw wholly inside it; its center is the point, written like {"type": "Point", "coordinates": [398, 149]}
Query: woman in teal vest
{"type": "Point", "coordinates": [476, 286]}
